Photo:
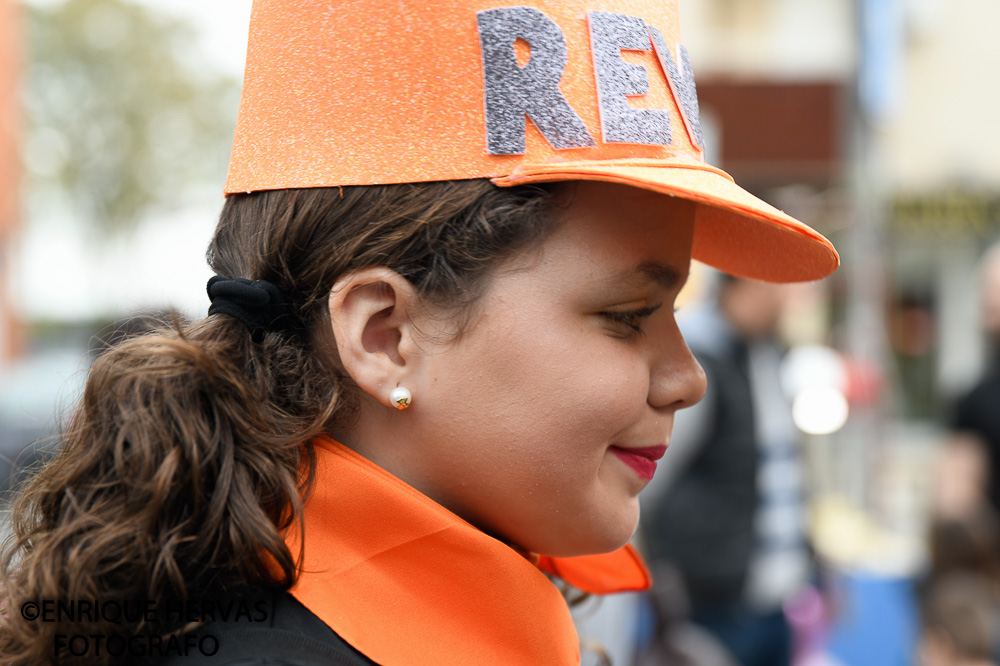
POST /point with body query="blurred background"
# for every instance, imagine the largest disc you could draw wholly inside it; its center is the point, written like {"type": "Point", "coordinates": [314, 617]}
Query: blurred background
{"type": "Point", "coordinates": [116, 122]}
{"type": "Point", "coordinates": [874, 121]}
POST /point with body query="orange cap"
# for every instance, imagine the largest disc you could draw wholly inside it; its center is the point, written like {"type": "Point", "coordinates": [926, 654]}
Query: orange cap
{"type": "Point", "coordinates": [363, 92]}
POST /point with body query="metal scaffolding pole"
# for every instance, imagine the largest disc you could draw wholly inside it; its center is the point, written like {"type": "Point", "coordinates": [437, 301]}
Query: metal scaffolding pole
{"type": "Point", "coordinates": [865, 261]}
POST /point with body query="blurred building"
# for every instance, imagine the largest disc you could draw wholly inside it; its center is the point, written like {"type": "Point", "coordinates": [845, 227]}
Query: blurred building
{"type": "Point", "coordinates": [943, 161]}
{"type": "Point", "coordinates": [775, 90]}
{"type": "Point", "coordinates": [10, 100]}
{"type": "Point", "coordinates": [772, 77]}
{"type": "Point", "coordinates": [777, 82]}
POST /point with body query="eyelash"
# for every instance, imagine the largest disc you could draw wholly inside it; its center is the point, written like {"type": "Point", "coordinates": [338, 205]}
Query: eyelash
{"type": "Point", "coordinates": [632, 318]}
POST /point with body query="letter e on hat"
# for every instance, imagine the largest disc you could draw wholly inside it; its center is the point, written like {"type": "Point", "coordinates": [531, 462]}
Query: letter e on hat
{"type": "Point", "coordinates": [616, 79]}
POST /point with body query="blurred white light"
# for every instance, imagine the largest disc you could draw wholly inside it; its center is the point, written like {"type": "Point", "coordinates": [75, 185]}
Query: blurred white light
{"type": "Point", "coordinates": [820, 410]}
{"type": "Point", "coordinates": [808, 366]}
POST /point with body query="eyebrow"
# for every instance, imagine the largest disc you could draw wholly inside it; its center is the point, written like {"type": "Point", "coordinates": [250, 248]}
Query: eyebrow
{"type": "Point", "coordinates": [665, 276]}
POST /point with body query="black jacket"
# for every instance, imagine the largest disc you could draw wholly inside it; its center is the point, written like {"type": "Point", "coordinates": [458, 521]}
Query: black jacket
{"type": "Point", "coordinates": [704, 524]}
{"type": "Point", "coordinates": [278, 631]}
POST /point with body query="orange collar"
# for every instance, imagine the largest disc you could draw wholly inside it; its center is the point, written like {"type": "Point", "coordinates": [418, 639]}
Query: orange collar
{"type": "Point", "coordinates": [405, 581]}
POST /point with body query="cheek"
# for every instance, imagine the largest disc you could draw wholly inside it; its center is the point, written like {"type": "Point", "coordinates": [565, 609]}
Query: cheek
{"type": "Point", "coordinates": [554, 383]}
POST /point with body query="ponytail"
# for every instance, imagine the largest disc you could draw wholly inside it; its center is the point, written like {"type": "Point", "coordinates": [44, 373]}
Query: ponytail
{"type": "Point", "coordinates": [188, 457]}
{"type": "Point", "coordinates": [178, 474]}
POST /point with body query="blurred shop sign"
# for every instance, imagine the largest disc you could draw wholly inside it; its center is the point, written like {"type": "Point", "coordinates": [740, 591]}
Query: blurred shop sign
{"type": "Point", "coordinates": [950, 213]}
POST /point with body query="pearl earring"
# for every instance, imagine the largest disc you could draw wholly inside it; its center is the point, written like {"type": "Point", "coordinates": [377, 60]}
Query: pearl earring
{"type": "Point", "coordinates": [400, 397]}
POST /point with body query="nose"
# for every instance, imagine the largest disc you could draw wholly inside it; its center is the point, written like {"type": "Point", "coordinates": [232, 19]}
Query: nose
{"type": "Point", "coordinates": [676, 379]}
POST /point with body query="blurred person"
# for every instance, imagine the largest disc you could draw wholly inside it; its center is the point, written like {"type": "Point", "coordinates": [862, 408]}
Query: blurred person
{"type": "Point", "coordinates": [964, 529]}
{"type": "Point", "coordinates": [960, 593]}
{"type": "Point", "coordinates": [728, 508]}
{"type": "Point", "coordinates": [440, 362]}
{"type": "Point", "coordinates": [966, 542]}
{"type": "Point", "coordinates": [976, 414]}
{"type": "Point", "coordinates": [960, 618]}
{"type": "Point", "coordinates": [676, 640]}
{"type": "Point", "coordinates": [961, 478]}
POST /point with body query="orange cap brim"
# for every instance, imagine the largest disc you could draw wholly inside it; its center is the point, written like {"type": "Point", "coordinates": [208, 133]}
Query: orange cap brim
{"type": "Point", "coordinates": [351, 94]}
{"type": "Point", "coordinates": [734, 231]}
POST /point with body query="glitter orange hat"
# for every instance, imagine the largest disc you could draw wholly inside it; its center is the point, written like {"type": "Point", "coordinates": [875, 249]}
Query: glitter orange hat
{"type": "Point", "coordinates": [363, 92]}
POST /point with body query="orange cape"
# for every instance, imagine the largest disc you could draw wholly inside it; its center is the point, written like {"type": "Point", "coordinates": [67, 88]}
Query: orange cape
{"type": "Point", "coordinates": [406, 581]}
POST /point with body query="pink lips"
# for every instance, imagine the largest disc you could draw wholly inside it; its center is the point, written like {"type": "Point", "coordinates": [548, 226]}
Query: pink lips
{"type": "Point", "coordinates": [642, 461]}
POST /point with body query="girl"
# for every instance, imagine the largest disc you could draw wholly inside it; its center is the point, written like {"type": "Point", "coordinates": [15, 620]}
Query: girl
{"type": "Point", "coordinates": [440, 362]}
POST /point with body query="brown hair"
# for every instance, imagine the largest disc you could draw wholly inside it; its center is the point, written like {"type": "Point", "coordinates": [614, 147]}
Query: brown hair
{"type": "Point", "coordinates": [970, 542]}
{"type": "Point", "coordinates": [961, 610]}
{"type": "Point", "coordinates": [188, 455]}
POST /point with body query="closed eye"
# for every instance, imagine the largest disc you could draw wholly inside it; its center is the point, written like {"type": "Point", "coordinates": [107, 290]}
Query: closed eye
{"type": "Point", "coordinates": [631, 318]}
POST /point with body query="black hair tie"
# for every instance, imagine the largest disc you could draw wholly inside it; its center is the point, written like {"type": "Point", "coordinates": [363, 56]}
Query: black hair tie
{"type": "Point", "coordinates": [258, 304]}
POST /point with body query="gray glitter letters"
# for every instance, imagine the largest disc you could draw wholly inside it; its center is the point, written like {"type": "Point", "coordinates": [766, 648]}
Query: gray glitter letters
{"type": "Point", "coordinates": [620, 123]}
{"type": "Point", "coordinates": [513, 92]}
{"type": "Point", "coordinates": [682, 84]}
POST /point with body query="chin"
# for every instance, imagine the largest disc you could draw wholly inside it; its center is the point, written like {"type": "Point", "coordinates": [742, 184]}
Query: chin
{"type": "Point", "coordinates": [588, 542]}
{"type": "Point", "coordinates": [590, 547]}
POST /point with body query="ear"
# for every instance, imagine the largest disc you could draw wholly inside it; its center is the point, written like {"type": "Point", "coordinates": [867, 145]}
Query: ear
{"type": "Point", "coordinates": [372, 315]}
